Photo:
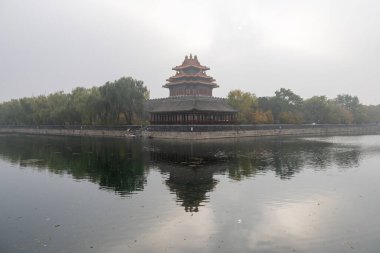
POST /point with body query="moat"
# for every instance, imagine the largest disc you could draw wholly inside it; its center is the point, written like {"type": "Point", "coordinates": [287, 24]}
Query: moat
{"type": "Point", "coordinates": [288, 194]}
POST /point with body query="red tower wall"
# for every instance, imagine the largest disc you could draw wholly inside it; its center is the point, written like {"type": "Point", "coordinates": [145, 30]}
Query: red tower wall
{"type": "Point", "coordinates": [190, 91]}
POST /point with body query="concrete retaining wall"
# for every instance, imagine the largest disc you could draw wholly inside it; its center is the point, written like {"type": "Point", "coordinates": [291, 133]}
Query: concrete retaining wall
{"type": "Point", "coordinates": [199, 132]}
{"type": "Point", "coordinates": [266, 132]}
{"type": "Point", "coordinates": [66, 132]}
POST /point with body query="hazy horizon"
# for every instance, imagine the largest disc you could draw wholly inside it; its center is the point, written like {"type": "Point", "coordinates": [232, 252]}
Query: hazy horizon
{"type": "Point", "coordinates": [311, 47]}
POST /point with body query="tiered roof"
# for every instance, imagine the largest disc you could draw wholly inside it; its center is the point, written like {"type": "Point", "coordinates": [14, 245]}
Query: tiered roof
{"type": "Point", "coordinates": [191, 72]}
{"type": "Point", "coordinates": [190, 92]}
{"type": "Point", "coordinates": [191, 62]}
{"type": "Point", "coordinates": [189, 103]}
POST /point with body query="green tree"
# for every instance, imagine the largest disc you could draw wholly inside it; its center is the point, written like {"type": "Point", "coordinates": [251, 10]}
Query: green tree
{"type": "Point", "coordinates": [352, 104]}
{"type": "Point", "coordinates": [115, 102]}
{"type": "Point", "coordinates": [338, 115]}
{"type": "Point", "coordinates": [11, 112]}
{"type": "Point", "coordinates": [286, 106]}
{"type": "Point", "coordinates": [316, 109]}
{"type": "Point", "coordinates": [289, 118]}
{"type": "Point", "coordinates": [288, 101]}
{"type": "Point", "coordinates": [58, 104]}
{"type": "Point", "coordinates": [246, 103]}
{"type": "Point", "coordinates": [124, 97]}
{"type": "Point", "coordinates": [373, 113]}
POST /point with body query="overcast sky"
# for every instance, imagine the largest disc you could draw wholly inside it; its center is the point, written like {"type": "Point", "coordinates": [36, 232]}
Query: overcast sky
{"type": "Point", "coordinates": [321, 47]}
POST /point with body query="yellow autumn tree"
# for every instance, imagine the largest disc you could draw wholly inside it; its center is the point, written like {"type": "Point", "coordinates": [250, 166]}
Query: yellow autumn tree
{"type": "Point", "coordinates": [246, 103]}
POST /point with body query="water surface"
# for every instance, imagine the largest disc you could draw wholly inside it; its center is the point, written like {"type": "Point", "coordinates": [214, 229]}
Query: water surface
{"type": "Point", "coordinates": [65, 194]}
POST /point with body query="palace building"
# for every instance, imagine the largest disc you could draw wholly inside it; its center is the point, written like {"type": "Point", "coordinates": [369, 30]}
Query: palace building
{"type": "Point", "coordinates": [190, 99]}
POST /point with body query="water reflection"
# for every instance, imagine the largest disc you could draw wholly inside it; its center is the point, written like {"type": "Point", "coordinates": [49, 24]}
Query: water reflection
{"type": "Point", "coordinates": [190, 185]}
{"type": "Point", "coordinates": [189, 168]}
{"type": "Point", "coordinates": [297, 222]}
{"type": "Point", "coordinates": [245, 158]}
{"type": "Point", "coordinates": [113, 164]}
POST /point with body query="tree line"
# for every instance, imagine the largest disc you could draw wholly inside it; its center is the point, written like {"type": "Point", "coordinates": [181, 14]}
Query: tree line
{"type": "Point", "coordinates": [286, 107]}
{"type": "Point", "coordinates": [121, 101]}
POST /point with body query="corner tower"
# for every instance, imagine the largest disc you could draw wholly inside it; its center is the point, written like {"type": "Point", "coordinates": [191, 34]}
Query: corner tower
{"type": "Point", "coordinates": [190, 79]}
{"type": "Point", "coordinates": [190, 101]}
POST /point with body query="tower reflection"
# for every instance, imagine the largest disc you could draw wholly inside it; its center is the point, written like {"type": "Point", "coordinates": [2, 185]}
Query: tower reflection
{"type": "Point", "coordinates": [190, 167]}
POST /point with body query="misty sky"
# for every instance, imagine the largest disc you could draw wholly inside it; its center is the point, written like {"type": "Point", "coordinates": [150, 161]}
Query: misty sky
{"type": "Point", "coordinates": [321, 47]}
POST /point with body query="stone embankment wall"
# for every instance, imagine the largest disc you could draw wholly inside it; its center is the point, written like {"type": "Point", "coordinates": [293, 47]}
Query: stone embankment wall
{"type": "Point", "coordinates": [196, 131]}
{"type": "Point", "coordinates": [121, 131]}
{"type": "Point", "coordinates": [261, 130]}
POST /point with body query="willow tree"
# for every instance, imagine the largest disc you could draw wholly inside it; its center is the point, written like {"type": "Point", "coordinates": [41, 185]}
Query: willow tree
{"type": "Point", "coordinates": [124, 97]}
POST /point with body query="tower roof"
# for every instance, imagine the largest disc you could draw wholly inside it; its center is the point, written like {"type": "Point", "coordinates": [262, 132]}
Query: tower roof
{"type": "Point", "coordinates": [191, 72]}
{"type": "Point", "coordinates": [189, 103]}
{"type": "Point", "coordinates": [191, 62]}
{"type": "Point", "coordinates": [181, 74]}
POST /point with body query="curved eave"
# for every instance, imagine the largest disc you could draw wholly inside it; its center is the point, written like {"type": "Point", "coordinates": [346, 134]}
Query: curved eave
{"type": "Point", "coordinates": [190, 103]}
{"type": "Point", "coordinates": [168, 85]}
{"type": "Point", "coordinates": [190, 66]}
{"type": "Point", "coordinates": [177, 78]}
{"type": "Point", "coordinates": [194, 110]}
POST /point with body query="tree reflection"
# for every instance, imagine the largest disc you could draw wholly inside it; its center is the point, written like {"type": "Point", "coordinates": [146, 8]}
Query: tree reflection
{"type": "Point", "coordinates": [189, 167]}
{"type": "Point", "coordinates": [113, 164]}
{"type": "Point", "coordinates": [287, 157]}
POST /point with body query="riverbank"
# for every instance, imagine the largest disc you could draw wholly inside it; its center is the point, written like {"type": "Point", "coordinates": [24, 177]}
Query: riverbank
{"type": "Point", "coordinates": [194, 132]}
{"type": "Point", "coordinates": [242, 131]}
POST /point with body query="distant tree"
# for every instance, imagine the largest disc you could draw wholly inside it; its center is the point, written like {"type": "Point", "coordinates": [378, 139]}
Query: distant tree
{"type": "Point", "coordinates": [58, 107]}
{"type": "Point", "coordinates": [316, 109]}
{"type": "Point", "coordinates": [285, 106]}
{"type": "Point", "coordinates": [246, 103]}
{"type": "Point", "coordinates": [288, 101]}
{"type": "Point", "coordinates": [79, 112]}
{"type": "Point", "coordinates": [373, 113]}
{"type": "Point", "coordinates": [348, 102]}
{"type": "Point", "coordinates": [261, 117]}
{"type": "Point", "coordinates": [124, 97]}
{"type": "Point", "coordinates": [132, 94]}
{"type": "Point", "coordinates": [270, 104]}
{"type": "Point", "coordinates": [109, 103]}
{"type": "Point", "coordinates": [95, 106]}
{"type": "Point", "coordinates": [352, 104]}
{"type": "Point", "coordinates": [11, 112]}
{"type": "Point", "coordinates": [338, 115]}
{"type": "Point", "coordinates": [289, 118]}
{"type": "Point", "coordinates": [27, 110]}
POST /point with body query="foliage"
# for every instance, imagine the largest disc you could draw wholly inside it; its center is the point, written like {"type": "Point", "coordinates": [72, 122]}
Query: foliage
{"type": "Point", "coordinates": [373, 113]}
{"type": "Point", "coordinates": [123, 98]}
{"type": "Point", "coordinates": [246, 103]}
{"type": "Point", "coordinates": [261, 117]}
{"type": "Point", "coordinates": [338, 115]}
{"type": "Point", "coordinates": [316, 109]}
{"type": "Point", "coordinates": [353, 105]}
{"type": "Point", "coordinates": [288, 100]}
{"type": "Point", "coordinates": [122, 102]}
{"type": "Point", "coordinates": [286, 107]}
{"type": "Point", "coordinates": [115, 102]}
